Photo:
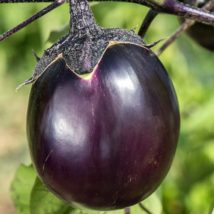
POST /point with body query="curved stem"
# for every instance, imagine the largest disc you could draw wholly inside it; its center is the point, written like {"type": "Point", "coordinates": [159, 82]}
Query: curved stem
{"type": "Point", "coordinates": [187, 24]}
{"type": "Point", "coordinates": [150, 16]}
{"type": "Point", "coordinates": [190, 12]}
{"type": "Point", "coordinates": [176, 8]}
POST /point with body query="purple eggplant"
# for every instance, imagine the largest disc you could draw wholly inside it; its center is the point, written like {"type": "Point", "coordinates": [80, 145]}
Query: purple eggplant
{"type": "Point", "coordinates": [106, 139]}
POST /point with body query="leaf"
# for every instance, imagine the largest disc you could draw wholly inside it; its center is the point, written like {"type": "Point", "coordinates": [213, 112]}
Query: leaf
{"type": "Point", "coordinates": [44, 202]}
{"type": "Point", "coordinates": [21, 187]}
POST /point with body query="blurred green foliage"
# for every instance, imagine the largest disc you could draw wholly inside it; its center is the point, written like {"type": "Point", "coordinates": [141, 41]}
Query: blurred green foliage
{"type": "Point", "coordinates": [189, 186]}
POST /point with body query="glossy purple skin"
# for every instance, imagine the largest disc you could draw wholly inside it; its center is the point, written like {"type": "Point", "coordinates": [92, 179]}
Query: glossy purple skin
{"type": "Point", "coordinates": [107, 142]}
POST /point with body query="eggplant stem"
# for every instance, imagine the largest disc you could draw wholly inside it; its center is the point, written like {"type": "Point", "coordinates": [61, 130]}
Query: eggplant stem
{"type": "Point", "coordinates": [82, 20]}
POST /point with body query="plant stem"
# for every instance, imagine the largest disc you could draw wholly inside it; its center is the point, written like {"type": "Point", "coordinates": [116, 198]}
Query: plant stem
{"type": "Point", "coordinates": [150, 16]}
{"type": "Point", "coordinates": [127, 210]}
{"type": "Point", "coordinates": [187, 24]}
{"type": "Point", "coordinates": [82, 20]}
{"type": "Point", "coordinates": [31, 19]}
{"type": "Point", "coordinates": [167, 6]}
{"type": "Point", "coordinates": [144, 208]}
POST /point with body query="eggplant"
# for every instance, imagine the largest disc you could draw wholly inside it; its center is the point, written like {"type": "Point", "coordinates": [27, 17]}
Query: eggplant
{"type": "Point", "coordinates": [106, 139]}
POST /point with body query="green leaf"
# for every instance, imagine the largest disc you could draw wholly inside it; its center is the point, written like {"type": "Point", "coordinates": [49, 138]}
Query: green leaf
{"type": "Point", "coordinates": [21, 188]}
{"type": "Point", "coordinates": [44, 202]}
